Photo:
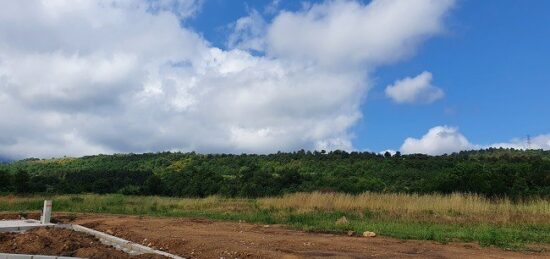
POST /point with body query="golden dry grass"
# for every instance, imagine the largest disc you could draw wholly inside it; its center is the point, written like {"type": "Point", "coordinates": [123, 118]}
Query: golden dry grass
{"type": "Point", "coordinates": [434, 207]}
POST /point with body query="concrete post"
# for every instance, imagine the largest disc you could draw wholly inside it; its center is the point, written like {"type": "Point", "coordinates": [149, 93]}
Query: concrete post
{"type": "Point", "coordinates": [46, 212]}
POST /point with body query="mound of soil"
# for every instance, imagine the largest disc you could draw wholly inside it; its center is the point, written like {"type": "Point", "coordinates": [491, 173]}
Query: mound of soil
{"type": "Point", "coordinates": [60, 242]}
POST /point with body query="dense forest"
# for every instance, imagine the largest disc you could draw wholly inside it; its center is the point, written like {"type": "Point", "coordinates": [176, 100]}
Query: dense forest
{"type": "Point", "coordinates": [516, 174]}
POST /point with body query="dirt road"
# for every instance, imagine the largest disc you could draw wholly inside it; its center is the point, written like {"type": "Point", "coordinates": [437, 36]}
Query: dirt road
{"type": "Point", "coordinates": [211, 239]}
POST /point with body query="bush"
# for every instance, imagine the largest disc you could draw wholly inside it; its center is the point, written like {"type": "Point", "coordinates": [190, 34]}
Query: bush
{"type": "Point", "coordinates": [130, 190]}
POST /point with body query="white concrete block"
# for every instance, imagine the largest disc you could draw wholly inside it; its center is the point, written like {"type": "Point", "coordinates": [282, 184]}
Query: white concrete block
{"type": "Point", "coordinates": [20, 225]}
{"type": "Point", "coordinates": [18, 256]}
{"type": "Point", "coordinates": [46, 212]}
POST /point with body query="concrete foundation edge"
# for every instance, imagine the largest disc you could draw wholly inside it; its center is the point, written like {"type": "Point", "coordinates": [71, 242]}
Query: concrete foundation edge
{"type": "Point", "coordinates": [25, 256]}
{"type": "Point", "coordinates": [119, 243]}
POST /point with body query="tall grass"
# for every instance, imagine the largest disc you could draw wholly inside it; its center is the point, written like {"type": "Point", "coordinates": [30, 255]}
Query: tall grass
{"type": "Point", "coordinates": [435, 207]}
{"type": "Point", "coordinates": [117, 203]}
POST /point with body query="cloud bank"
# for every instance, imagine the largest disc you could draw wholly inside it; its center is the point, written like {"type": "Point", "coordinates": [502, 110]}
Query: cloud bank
{"type": "Point", "coordinates": [536, 142]}
{"type": "Point", "coordinates": [87, 77]}
{"type": "Point", "coordinates": [418, 89]}
{"type": "Point", "coordinates": [446, 140]}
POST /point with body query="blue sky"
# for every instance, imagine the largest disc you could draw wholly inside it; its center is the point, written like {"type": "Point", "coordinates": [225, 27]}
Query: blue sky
{"type": "Point", "coordinates": [213, 76]}
{"type": "Point", "coordinates": [494, 66]}
{"type": "Point", "coordinates": [493, 63]}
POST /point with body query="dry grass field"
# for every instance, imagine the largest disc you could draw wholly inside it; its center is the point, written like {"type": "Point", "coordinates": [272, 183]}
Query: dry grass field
{"type": "Point", "coordinates": [454, 208]}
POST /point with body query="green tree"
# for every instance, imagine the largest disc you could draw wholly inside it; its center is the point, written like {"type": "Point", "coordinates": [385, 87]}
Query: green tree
{"type": "Point", "coordinates": [5, 180]}
{"type": "Point", "coordinates": [154, 186]}
{"type": "Point", "coordinates": [22, 182]}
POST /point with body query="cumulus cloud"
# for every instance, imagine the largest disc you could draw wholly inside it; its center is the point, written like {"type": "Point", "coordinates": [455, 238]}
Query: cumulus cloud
{"type": "Point", "coordinates": [438, 140]}
{"type": "Point", "coordinates": [88, 77]}
{"type": "Point", "coordinates": [418, 89]}
{"type": "Point", "coordinates": [348, 32]}
{"type": "Point", "coordinates": [248, 32]}
{"type": "Point", "coordinates": [445, 140]}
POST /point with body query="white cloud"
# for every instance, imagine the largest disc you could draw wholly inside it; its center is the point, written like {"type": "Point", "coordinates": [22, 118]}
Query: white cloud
{"type": "Point", "coordinates": [443, 139]}
{"type": "Point", "coordinates": [438, 140]}
{"type": "Point", "coordinates": [391, 151]}
{"type": "Point", "coordinates": [273, 7]}
{"type": "Point", "coordinates": [248, 32]}
{"type": "Point", "coordinates": [418, 89]}
{"type": "Point", "coordinates": [84, 77]}
{"type": "Point", "coordinates": [536, 142]}
{"type": "Point", "coordinates": [181, 8]}
{"type": "Point", "coordinates": [347, 32]}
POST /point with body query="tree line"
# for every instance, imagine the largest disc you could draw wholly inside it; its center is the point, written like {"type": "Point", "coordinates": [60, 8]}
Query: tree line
{"type": "Point", "coordinates": [494, 173]}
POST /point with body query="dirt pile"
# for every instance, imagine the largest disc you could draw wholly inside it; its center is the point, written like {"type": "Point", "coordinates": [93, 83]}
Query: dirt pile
{"type": "Point", "coordinates": [60, 242]}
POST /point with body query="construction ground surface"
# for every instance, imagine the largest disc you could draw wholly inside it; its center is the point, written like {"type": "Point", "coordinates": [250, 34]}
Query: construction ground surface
{"type": "Point", "coordinates": [60, 242]}
{"type": "Point", "coordinates": [198, 238]}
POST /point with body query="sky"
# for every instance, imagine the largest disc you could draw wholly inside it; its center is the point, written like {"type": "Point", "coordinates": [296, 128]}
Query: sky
{"type": "Point", "coordinates": [217, 76]}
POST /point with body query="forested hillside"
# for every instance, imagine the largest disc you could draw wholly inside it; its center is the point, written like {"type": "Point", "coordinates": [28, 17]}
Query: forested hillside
{"type": "Point", "coordinates": [492, 172]}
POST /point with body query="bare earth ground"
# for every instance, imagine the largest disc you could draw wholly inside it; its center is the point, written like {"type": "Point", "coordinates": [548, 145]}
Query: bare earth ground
{"type": "Point", "coordinates": [194, 238]}
{"type": "Point", "coordinates": [61, 242]}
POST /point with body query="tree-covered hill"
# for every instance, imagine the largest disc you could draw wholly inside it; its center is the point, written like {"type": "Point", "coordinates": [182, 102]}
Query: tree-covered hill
{"type": "Point", "coordinates": [491, 172]}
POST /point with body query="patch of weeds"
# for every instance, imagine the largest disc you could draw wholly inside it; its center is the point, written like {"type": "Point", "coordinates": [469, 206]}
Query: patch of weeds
{"type": "Point", "coordinates": [428, 212]}
{"type": "Point", "coordinates": [454, 213]}
{"type": "Point", "coordinates": [76, 199]}
{"type": "Point", "coordinates": [368, 214]}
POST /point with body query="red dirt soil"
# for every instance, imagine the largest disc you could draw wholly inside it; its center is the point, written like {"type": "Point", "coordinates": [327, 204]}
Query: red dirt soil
{"type": "Point", "coordinates": [194, 238]}
{"type": "Point", "coordinates": [60, 242]}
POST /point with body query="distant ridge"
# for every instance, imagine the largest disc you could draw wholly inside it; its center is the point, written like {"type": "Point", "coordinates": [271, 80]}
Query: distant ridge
{"type": "Point", "coordinates": [492, 173]}
{"type": "Point", "coordinates": [4, 160]}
